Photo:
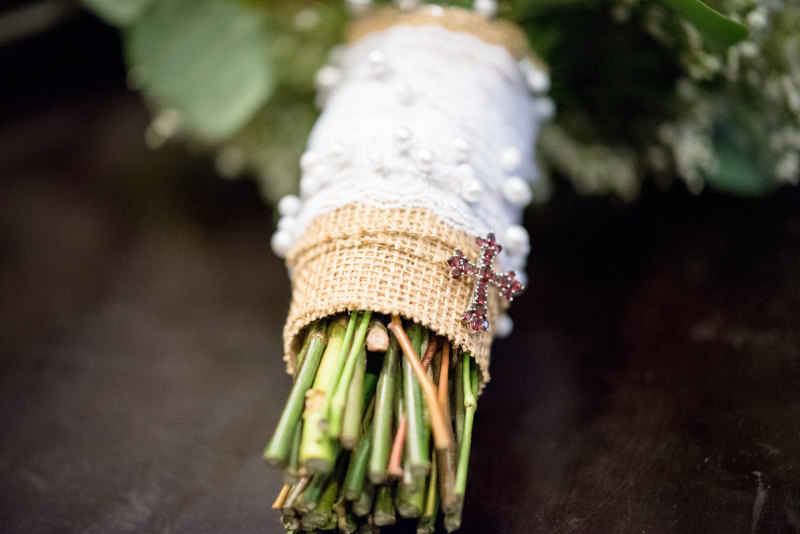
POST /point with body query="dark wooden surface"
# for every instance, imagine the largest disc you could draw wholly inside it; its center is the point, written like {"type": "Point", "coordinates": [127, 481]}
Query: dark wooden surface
{"type": "Point", "coordinates": [651, 384]}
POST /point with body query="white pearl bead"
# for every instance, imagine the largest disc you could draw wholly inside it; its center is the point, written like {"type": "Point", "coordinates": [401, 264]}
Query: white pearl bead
{"type": "Point", "coordinates": [538, 80]}
{"type": "Point", "coordinates": [487, 8]}
{"type": "Point", "coordinates": [376, 57]}
{"type": "Point", "coordinates": [310, 184]}
{"type": "Point", "coordinates": [338, 153]}
{"type": "Point", "coordinates": [377, 63]}
{"type": "Point", "coordinates": [465, 172]}
{"type": "Point", "coordinates": [472, 190]}
{"type": "Point", "coordinates": [321, 173]}
{"type": "Point", "coordinates": [306, 19]}
{"type": "Point", "coordinates": [517, 239]}
{"type": "Point", "coordinates": [357, 7]}
{"type": "Point", "coordinates": [503, 326]}
{"type": "Point", "coordinates": [462, 149]}
{"type": "Point", "coordinates": [424, 160]}
{"type": "Point", "coordinates": [516, 191]}
{"type": "Point", "coordinates": [452, 181]}
{"type": "Point", "coordinates": [406, 5]}
{"type": "Point", "coordinates": [335, 54]}
{"type": "Point", "coordinates": [287, 223]}
{"type": "Point", "coordinates": [327, 77]}
{"type": "Point", "coordinates": [545, 108]}
{"type": "Point", "coordinates": [289, 205]}
{"type": "Point", "coordinates": [308, 160]}
{"type": "Point", "coordinates": [510, 159]}
{"type": "Point", "coordinates": [403, 93]}
{"type": "Point", "coordinates": [434, 10]}
{"type": "Point", "coordinates": [376, 160]}
{"type": "Point", "coordinates": [526, 64]}
{"type": "Point", "coordinates": [402, 139]}
{"type": "Point", "coordinates": [281, 242]}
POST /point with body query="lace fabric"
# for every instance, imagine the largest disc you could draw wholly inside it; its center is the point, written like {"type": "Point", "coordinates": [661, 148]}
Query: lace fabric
{"type": "Point", "coordinates": [424, 117]}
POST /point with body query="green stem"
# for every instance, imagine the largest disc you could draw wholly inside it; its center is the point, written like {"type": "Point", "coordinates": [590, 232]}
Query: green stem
{"type": "Point", "coordinates": [469, 377]}
{"type": "Point", "coordinates": [337, 366]}
{"type": "Point", "coordinates": [321, 515]}
{"type": "Point", "coordinates": [279, 446]}
{"type": "Point", "coordinates": [290, 504]}
{"type": "Point", "coordinates": [383, 514]}
{"type": "Point", "coordinates": [458, 400]}
{"type": "Point", "coordinates": [291, 523]}
{"type": "Point", "coordinates": [354, 408]}
{"type": "Point", "coordinates": [302, 354]}
{"type": "Point", "coordinates": [470, 373]}
{"type": "Point", "coordinates": [416, 444]}
{"type": "Point", "coordinates": [335, 407]}
{"type": "Point", "coordinates": [363, 505]}
{"type": "Point", "coordinates": [317, 450]}
{"type": "Point", "coordinates": [356, 471]}
{"type": "Point", "coordinates": [411, 499]}
{"type": "Point", "coordinates": [382, 433]}
{"type": "Point", "coordinates": [374, 365]}
{"type": "Point", "coordinates": [399, 413]}
{"type": "Point", "coordinates": [427, 524]}
{"type": "Point", "coordinates": [345, 521]}
{"type": "Point", "coordinates": [292, 472]}
{"type": "Point", "coordinates": [309, 499]}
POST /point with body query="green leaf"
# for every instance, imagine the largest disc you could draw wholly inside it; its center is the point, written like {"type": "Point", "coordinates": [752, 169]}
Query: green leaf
{"type": "Point", "coordinates": [206, 59]}
{"type": "Point", "coordinates": [118, 12]}
{"type": "Point", "coordinates": [711, 24]}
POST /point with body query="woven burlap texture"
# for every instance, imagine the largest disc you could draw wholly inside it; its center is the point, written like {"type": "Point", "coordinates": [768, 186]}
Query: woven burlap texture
{"type": "Point", "coordinates": [390, 261]}
{"type": "Point", "coordinates": [493, 31]}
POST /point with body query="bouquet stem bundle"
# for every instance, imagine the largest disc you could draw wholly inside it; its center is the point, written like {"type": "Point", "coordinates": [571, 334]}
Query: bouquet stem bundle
{"type": "Point", "coordinates": [376, 426]}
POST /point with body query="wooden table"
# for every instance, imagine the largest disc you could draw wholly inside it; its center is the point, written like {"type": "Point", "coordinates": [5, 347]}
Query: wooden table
{"type": "Point", "coordinates": [651, 384]}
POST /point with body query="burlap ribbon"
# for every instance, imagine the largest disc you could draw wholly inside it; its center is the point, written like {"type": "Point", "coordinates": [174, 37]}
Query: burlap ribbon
{"type": "Point", "coordinates": [493, 31]}
{"type": "Point", "coordinates": [390, 261]}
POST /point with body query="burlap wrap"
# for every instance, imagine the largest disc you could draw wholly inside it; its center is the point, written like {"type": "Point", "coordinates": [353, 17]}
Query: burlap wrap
{"type": "Point", "coordinates": [390, 261]}
{"type": "Point", "coordinates": [492, 31]}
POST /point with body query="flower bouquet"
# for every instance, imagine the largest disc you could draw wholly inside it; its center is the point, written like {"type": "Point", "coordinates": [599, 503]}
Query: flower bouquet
{"type": "Point", "coordinates": [438, 128]}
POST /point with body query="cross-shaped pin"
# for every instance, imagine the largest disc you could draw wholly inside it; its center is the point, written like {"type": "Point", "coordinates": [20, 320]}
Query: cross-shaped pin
{"type": "Point", "coordinates": [509, 286]}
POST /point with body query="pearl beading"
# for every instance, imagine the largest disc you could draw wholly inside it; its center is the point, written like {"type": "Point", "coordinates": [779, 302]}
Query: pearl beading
{"type": "Point", "coordinates": [426, 117]}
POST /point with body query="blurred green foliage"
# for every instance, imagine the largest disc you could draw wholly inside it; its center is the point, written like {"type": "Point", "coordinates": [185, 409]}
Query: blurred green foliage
{"type": "Point", "coordinates": [119, 12]}
{"type": "Point", "coordinates": [206, 59]}
{"type": "Point", "coordinates": [643, 89]}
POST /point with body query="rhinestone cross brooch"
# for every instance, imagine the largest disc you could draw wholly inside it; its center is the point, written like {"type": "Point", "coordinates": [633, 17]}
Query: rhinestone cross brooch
{"type": "Point", "coordinates": [508, 284]}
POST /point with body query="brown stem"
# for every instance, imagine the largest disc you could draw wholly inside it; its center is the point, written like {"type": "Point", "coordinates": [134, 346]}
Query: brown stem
{"type": "Point", "coordinates": [433, 345]}
{"type": "Point", "coordinates": [278, 504]}
{"type": "Point", "coordinates": [297, 489]}
{"type": "Point", "coordinates": [445, 459]}
{"type": "Point", "coordinates": [395, 469]}
{"type": "Point", "coordinates": [441, 436]}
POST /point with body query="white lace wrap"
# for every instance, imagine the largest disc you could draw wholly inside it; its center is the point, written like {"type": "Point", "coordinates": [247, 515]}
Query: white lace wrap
{"type": "Point", "coordinates": [421, 116]}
